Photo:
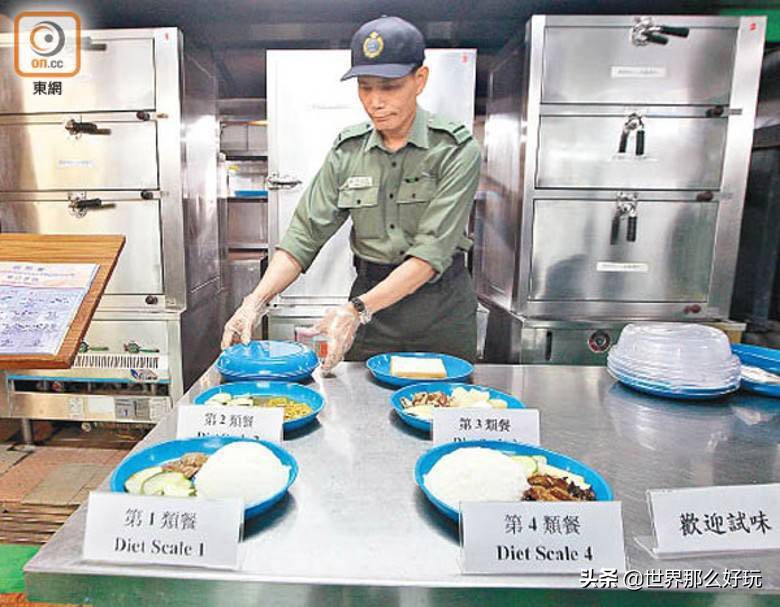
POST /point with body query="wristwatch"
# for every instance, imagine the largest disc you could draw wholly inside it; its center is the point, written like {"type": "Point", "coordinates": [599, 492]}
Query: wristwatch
{"type": "Point", "coordinates": [363, 314]}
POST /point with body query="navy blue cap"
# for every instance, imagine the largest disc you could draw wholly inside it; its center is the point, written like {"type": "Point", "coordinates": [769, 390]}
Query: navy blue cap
{"type": "Point", "coordinates": [388, 47]}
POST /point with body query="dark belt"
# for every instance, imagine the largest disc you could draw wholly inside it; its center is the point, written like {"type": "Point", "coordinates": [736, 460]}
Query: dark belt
{"type": "Point", "coordinates": [380, 271]}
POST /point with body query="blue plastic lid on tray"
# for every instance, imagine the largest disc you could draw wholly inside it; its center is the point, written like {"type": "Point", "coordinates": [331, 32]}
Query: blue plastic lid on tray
{"type": "Point", "coordinates": [284, 360]}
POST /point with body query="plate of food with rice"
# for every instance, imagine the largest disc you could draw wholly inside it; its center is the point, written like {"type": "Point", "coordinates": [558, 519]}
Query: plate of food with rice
{"type": "Point", "coordinates": [258, 472]}
{"type": "Point", "coordinates": [484, 471]}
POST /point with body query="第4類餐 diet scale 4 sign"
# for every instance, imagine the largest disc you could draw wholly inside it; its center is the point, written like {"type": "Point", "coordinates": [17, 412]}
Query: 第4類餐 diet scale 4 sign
{"type": "Point", "coordinates": [541, 537]}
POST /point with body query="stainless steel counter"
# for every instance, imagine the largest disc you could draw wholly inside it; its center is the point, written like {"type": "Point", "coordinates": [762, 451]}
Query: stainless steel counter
{"type": "Point", "coordinates": [356, 529]}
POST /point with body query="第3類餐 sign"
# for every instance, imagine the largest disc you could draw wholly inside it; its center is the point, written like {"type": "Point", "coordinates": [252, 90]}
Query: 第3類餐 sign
{"type": "Point", "coordinates": [541, 537]}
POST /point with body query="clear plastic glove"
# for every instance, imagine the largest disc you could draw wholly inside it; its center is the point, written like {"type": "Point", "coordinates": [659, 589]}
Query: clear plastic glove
{"type": "Point", "coordinates": [240, 325]}
{"type": "Point", "coordinates": [340, 326]}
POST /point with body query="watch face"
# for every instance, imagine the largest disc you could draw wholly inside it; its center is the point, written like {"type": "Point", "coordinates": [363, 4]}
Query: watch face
{"type": "Point", "coordinates": [359, 305]}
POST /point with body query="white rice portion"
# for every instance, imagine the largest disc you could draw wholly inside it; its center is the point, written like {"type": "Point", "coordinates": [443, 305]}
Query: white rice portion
{"type": "Point", "coordinates": [476, 474]}
{"type": "Point", "coordinates": [246, 470]}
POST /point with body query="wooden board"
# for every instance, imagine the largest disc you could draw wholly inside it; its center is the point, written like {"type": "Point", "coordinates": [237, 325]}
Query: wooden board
{"type": "Point", "coordinates": [45, 248]}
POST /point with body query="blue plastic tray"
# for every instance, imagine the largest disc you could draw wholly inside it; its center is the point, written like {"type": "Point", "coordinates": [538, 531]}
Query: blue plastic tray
{"type": "Point", "coordinates": [665, 392]}
{"type": "Point", "coordinates": [763, 358]}
{"type": "Point", "coordinates": [457, 368]}
{"type": "Point", "coordinates": [271, 388]}
{"type": "Point", "coordinates": [428, 460]}
{"type": "Point", "coordinates": [267, 361]}
{"type": "Point", "coordinates": [172, 450]}
{"type": "Point", "coordinates": [251, 193]}
{"type": "Point", "coordinates": [447, 388]}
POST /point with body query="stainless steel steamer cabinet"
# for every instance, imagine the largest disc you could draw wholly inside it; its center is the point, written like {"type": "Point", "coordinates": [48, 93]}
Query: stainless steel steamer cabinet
{"type": "Point", "coordinates": [617, 157]}
{"type": "Point", "coordinates": [129, 147]}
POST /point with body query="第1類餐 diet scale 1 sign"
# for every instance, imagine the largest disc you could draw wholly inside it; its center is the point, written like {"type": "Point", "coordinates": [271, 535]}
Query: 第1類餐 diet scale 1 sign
{"type": "Point", "coordinates": [153, 530]}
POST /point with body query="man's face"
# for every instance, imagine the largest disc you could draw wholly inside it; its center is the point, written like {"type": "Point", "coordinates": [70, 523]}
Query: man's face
{"type": "Point", "coordinates": [391, 102]}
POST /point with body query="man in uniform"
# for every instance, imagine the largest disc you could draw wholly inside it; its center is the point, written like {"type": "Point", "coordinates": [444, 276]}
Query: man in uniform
{"type": "Point", "coordinates": [407, 179]}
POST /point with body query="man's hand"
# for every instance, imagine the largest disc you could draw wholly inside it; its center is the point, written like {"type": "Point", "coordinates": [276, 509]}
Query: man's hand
{"type": "Point", "coordinates": [281, 273]}
{"type": "Point", "coordinates": [240, 325]}
{"type": "Point", "coordinates": [339, 325]}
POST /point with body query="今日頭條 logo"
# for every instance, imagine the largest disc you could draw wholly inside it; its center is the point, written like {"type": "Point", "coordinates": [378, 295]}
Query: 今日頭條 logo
{"type": "Point", "coordinates": [47, 44]}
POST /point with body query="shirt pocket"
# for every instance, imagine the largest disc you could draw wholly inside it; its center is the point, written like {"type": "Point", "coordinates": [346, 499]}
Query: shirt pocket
{"type": "Point", "coordinates": [414, 197]}
{"type": "Point", "coordinates": [364, 209]}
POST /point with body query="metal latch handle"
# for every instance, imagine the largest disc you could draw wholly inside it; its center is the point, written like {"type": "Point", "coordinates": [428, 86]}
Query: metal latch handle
{"type": "Point", "coordinates": [615, 234]}
{"type": "Point", "coordinates": [90, 128]}
{"type": "Point", "coordinates": [645, 31]}
{"type": "Point", "coordinates": [640, 141]}
{"type": "Point", "coordinates": [623, 142]}
{"type": "Point", "coordinates": [627, 206]}
{"type": "Point", "coordinates": [634, 122]}
{"type": "Point", "coordinates": [79, 205]}
{"type": "Point", "coordinates": [632, 225]}
{"type": "Point", "coordinates": [277, 182]}
{"type": "Point", "coordinates": [669, 30]}
{"type": "Point", "coordinates": [86, 203]}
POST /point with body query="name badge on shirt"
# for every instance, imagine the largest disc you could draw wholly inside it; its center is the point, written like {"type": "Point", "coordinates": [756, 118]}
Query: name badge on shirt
{"type": "Point", "coordinates": [355, 183]}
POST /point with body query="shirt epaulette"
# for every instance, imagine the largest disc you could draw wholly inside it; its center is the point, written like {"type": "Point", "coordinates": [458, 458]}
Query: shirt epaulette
{"type": "Point", "coordinates": [458, 131]}
{"type": "Point", "coordinates": [356, 130]}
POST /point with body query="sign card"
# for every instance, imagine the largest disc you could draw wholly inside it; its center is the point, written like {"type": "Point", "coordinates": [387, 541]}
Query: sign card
{"type": "Point", "coordinates": [735, 518]}
{"type": "Point", "coordinates": [467, 423]}
{"type": "Point", "coordinates": [194, 532]}
{"type": "Point", "coordinates": [261, 423]}
{"type": "Point", "coordinates": [541, 537]}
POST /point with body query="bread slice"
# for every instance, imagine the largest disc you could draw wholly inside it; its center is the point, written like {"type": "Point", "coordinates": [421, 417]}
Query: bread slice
{"type": "Point", "coordinates": [417, 368]}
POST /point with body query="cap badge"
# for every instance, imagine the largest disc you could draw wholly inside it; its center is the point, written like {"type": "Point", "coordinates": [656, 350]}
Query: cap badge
{"type": "Point", "coordinates": [373, 45]}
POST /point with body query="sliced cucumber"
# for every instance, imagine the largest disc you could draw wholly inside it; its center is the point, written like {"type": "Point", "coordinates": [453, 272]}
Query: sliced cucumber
{"type": "Point", "coordinates": [134, 483]}
{"type": "Point", "coordinates": [167, 483]}
{"type": "Point", "coordinates": [180, 490]}
{"type": "Point", "coordinates": [221, 398]}
{"type": "Point", "coordinates": [528, 464]}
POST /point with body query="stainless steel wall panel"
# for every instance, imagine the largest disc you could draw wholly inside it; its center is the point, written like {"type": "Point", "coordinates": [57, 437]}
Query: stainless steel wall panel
{"type": "Point", "coordinates": [201, 332]}
{"type": "Point", "coordinates": [247, 224]}
{"type": "Point", "coordinates": [601, 65]}
{"type": "Point", "coordinates": [201, 231]}
{"type": "Point", "coordinates": [498, 212]}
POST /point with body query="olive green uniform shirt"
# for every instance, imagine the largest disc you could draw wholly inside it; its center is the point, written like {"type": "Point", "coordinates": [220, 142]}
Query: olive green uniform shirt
{"type": "Point", "coordinates": [414, 202]}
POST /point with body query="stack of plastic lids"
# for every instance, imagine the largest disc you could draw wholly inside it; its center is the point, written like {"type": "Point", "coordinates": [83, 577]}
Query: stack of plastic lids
{"type": "Point", "coordinates": [267, 360]}
{"type": "Point", "coordinates": [675, 359]}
